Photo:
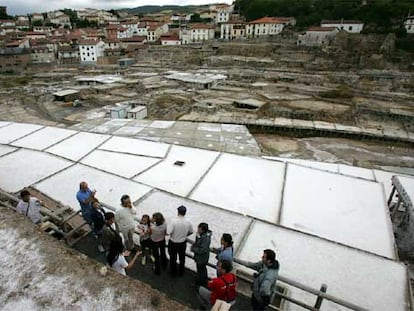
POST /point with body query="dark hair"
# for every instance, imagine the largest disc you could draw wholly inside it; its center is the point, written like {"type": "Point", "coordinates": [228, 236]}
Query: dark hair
{"type": "Point", "coordinates": [226, 265]}
{"type": "Point", "coordinates": [158, 218]}
{"type": "Point", "coordinates": [115, 248]}
{"type": "Point", "coordinates": [124, 198]}
{"type": "Point", "coordinates": [270, 255]}
{"type": "Point", "coordinates": [146, 216]}
{"type": "Point", "coordinates": [227, 238]}
{"type": "Point", "coordinates": [24, 193]}
{"type": "Point", "coordinates": [203, 226]}
{"type": "Point", "coordinates": [109, 215]}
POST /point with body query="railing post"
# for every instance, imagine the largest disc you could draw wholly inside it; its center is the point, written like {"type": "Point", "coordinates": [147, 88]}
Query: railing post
{"type": "Point", "coordinates": [319, 299]}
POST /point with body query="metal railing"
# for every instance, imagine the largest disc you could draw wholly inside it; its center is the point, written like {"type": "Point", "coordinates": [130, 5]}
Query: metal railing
{"type": "Point", "coordinates": [243, 275]}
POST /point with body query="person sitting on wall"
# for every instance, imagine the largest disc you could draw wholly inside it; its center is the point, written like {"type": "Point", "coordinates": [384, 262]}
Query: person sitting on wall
{"type": "Point", "coordinates": [29, 206]}
{"type": "Point", "coordinates": [222, 287]}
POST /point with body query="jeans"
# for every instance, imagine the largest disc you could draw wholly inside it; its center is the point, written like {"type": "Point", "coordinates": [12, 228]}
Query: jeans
{"type": "Point", "coordinates": [160, 258]}
{"type": "Point", "coordinates": [257, 305]}
{"type": "Point", "coordinates": [175, 249]}
{"type": "Point", "coordinates": [204, 295]}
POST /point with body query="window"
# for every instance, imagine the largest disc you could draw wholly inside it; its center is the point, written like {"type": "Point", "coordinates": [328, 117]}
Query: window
{"type": "Point", "coordinates": [88, 54]}
{"type": "Point", "coordinates": [350, 28]}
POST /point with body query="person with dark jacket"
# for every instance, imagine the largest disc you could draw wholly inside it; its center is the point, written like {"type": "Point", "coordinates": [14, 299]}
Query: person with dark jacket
{"type": "Point", "coordinates": [110, 231]}
{"type": "Point", "coordinates": [264, 279]}
{"type": "Point", "coordinates": [201, 250]}
{"type": "Point", "coordinates": [98, 221]}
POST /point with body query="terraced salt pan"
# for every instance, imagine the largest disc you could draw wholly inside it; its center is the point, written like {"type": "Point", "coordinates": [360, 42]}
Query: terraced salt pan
{"type": "Point", "coordinates": [77, 146]}
{"type": "Point", "coordinates": [15, 131]}
{"type": "Point", "coordinates": [125, 165]}
{"type": "Point", "coordinates": [366, 280]}
{"type": "Point", "coordinates": [6, 149]}
{"type": "Point", "coordinates": [356, 171]}
{"type": "Point", "coordinates": [64, 185]}
{"type": "Point", "coordinates": [22, 168]}
{"type": "Point", "coordinates": [408, 184]}
{"type": "Point", "coordinates": [219, 221]}
{"type": "Point", "coordinates": [179, 179]}
{"type": "Point", "coordinates": [4, 123]}
{"type": "Point", "coordinates": [44, 138]}
{"type": "Point", "coordinates": [244, 185]}
{"type": "Point", "coordinates": [136, 146]}
{"type": "Point", "coordinates": [345, 209]}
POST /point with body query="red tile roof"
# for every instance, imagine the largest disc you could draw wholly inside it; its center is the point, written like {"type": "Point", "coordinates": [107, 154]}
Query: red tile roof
{"type": "Point", "coordinates": [201, 26]}
{"type": "Point", "coordinates": [326, 29]}
{"type": "Point", "coordinates": [135, 39]}
{"type": "Point", "coordinates": [270, 20]}
{"type": "Point", "coordinates": [326, 21]}
{"type": "Point", "coordinates": [88, 42]}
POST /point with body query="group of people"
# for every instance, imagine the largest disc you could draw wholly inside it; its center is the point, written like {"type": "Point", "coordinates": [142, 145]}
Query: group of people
{"type": "Point", "coordinates": [115, 232]}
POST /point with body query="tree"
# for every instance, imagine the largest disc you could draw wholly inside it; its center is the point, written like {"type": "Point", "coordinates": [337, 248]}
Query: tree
{"type": "Point", "coordinates": [37, 23]}
{"type": "Point", "coordinates": [195, 18]}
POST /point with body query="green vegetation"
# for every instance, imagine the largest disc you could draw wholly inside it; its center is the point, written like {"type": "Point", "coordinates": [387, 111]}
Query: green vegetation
{"type": "Point", "coordinates": [379, 16]}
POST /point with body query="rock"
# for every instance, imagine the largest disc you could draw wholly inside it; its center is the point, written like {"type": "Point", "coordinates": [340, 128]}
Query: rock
{"type": "Point", "coordinates": [103, 271]}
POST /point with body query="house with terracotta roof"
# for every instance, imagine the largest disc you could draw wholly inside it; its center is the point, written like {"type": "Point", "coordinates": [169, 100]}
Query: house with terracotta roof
{"type": "Point", "coordinates": [90, 51]}
{"type": "Point", "coordinates": [170, 39]}
{"type": "Point", "coordinates": [35, 35]}
{"type": "Point", "coordinates": [317, 36]}
{"type": "Point", "coordinates": [351, 26]}
{"type": "Point", "coordinates": [133, 41]}
{"type": "Point", "coordinates": [232, 30]}
{"type": "Point", "coordinates": [266, 26]}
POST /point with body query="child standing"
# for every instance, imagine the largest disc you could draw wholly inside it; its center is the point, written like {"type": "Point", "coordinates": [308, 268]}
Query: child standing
{"type": "Point", "coordinates": [144, 230]}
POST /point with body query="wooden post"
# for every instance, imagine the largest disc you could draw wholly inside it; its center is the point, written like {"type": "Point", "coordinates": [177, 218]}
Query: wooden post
{"type": "Point", "coordinates": [319, 299]}
{"type": "Point", "coordinates": [391, 196]}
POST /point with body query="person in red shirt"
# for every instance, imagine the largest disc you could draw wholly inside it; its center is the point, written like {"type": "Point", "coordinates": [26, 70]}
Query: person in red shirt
{"type": "Point", "coordinates": [222, 287]}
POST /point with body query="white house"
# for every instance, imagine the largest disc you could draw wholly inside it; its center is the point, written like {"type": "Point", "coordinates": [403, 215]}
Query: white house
{"type": "Point", "coordinates": [37, 17]}
{"type": "Point", "coordinates": [317, 36]}
{"type": "Point", "coordinates": [90, 50]}
{"type": "Point", "coordinates": [233, 29]}
{"type": "Point", "coordinates": [351, 26]}
{"type": "Point", "coordinates": [197, 33]}
{"type": "Point", "coordinates": [265, 26]}
{"type": "Point", "coordinates": [222, 16]}
{"type": "Point", "coordinates": [43, 29]}
{"type": "Point", "coordinates": [409, 24]}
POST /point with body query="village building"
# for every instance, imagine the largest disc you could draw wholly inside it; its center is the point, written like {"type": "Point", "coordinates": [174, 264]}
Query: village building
{"type": "Point", "coordinates": [37, 17]}
{"type": "Point", "coordinates": [42, 55]}
{"type": "Point", "coordinates": [317, 36]}
{"type": "Point", "coordinates": [68, 54]}
{"type": "Point", "coordinates": [90, 51]}
{"type": "Point", "coordinates": [351, 26]}
{"type": "Point", "coordinates": [13, 59]}
{"type": "Point", "coordinates": [196, 33]}
{"type": "Point", "coordinates": [265, 26]}
{"type": "Point", "coordinates": [170, 39]}
{"type": "Point", "coordinates": [409, 24]}
{"type": "Point", "coordinates": [232, 30]}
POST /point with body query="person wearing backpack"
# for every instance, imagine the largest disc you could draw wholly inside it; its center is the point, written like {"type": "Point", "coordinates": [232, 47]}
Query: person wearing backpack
{"type": "Point", "coordinates": [222, 287]}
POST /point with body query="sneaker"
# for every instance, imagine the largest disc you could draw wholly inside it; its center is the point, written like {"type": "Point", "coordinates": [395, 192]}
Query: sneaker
{"type": "Point", "coordinates": [152, 258]}
{"type": "Point", "coordinates": [101, 249]}
{"type": "Point", "coordinates": [143, 260]}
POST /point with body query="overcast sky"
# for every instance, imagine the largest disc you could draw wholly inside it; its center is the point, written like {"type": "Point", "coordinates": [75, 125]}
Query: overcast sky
{"type": "Point", "coordinates": [30, 6]}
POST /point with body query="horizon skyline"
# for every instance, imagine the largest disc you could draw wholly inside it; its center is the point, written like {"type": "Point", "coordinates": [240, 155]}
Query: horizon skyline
{"type": "Point", "coordinates": [20, 7]}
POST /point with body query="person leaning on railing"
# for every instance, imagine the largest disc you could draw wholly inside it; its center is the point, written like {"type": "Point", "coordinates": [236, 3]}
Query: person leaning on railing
{"type": "Point", "coordinates": [264, 280]}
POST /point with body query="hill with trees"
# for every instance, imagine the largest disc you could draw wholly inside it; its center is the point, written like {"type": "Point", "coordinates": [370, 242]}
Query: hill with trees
{"type": "Point", "coordinates": [379, 16]}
